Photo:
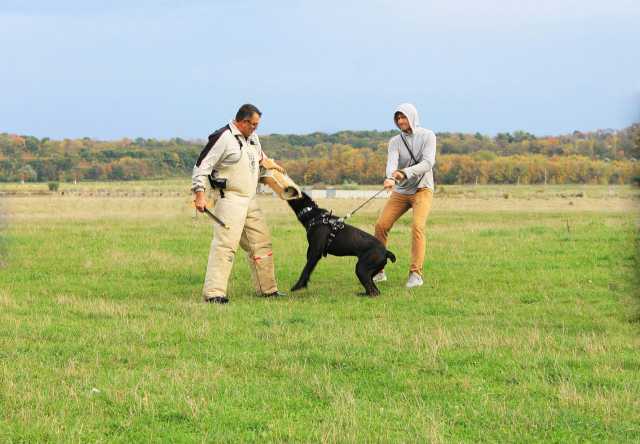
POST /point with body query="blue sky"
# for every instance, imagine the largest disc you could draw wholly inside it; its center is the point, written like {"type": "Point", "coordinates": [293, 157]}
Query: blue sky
{"type": "Point", "coordinates": [181, 68]}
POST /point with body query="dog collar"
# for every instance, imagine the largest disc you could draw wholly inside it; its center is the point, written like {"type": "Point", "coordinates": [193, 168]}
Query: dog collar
{"type": "Point", "coordinates": [304, 211]}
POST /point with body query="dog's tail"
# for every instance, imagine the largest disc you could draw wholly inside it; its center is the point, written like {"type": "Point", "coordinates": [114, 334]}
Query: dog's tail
{"type": "Point", "coordinates": [391, 256]}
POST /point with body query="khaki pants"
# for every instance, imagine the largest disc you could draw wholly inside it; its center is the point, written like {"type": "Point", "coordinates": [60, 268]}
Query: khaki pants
{"type": "Point", "coordinates": [396, 206]}
{"type": "Point", "coordinates": [248, 229]}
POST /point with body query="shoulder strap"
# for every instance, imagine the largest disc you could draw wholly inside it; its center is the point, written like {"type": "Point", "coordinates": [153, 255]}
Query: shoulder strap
{"type": "Point", "coordinates": [213, 138]}
{"type": "Point", "coordinates": [408, 149]}
{"type": "Point", "coordinates": [239, 141]}
{"type": "Point", "coordinates": [416, 162]}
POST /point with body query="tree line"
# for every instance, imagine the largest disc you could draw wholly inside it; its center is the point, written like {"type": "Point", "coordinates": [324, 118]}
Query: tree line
{"type": "Point", "coordinates": [603, 156]}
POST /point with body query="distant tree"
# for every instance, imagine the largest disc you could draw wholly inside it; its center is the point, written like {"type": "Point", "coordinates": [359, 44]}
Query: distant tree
{"type": "Point", "coordinates": [600, 156]}
{"type": "Point", "coordinates": [635, 131]}
{"type": "Point", "coordinates": [117, 172]}
{"type": "Point", "coordinates": [484, 155]}
{"type": "Point", "coordinates": [519, 136]}
{"type": "Point", "coordinates": [171, 159]}
{"type": "Point", "coordinates": [95, 172]}
{"type": "Point", "coordinates": [27, 173]}
{"type": "Point", "coordinates": [32, 144]}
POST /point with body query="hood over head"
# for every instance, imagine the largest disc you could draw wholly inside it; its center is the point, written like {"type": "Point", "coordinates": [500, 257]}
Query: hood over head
{"type": "Point", "coordinates": [412, 114]}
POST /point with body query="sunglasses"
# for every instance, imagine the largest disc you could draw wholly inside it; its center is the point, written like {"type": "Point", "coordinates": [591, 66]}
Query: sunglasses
{"type": "Point", "coordinates": [253, 124]}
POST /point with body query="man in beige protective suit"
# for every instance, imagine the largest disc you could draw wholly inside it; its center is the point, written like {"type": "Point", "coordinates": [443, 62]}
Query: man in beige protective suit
{"type": "Point", "coordinates": [231, 162]}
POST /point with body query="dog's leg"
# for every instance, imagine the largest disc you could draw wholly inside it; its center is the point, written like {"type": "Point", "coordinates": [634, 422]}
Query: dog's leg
{"type": "Point", "coordinates": [313, 257]}
{"type": "Point", "coordinates": [368, 265]}
{"type": "Point", "coordinates": [363, 271]}
{"type": "Point", "coordinates": [377, 264]}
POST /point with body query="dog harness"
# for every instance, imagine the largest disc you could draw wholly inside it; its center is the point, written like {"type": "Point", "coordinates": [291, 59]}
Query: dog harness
{"type": "Point", "coordinates": [335, 225]}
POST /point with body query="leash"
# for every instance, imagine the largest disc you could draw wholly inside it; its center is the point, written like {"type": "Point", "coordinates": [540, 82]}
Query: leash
{"type": "Point", "coordinates": [342, 219]}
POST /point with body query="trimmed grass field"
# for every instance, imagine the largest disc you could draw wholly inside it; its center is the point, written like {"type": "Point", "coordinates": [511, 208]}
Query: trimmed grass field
{"type": "Point", "coordinates": [527, 329]}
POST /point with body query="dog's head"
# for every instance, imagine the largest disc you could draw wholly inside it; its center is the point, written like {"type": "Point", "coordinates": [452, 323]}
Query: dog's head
{"type": "Point", "coordinates": [304, 207]}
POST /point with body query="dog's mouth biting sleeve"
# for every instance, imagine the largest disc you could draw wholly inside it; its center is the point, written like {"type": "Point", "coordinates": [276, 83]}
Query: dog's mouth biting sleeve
{"type": "Point", "coordinates": [280, 183]}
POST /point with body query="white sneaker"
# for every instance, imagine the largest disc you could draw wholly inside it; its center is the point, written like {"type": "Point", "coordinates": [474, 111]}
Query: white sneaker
{"type": "Point", "coordinates": [380, 277]}
{"type": "Point", "coordinates": [415, 280]}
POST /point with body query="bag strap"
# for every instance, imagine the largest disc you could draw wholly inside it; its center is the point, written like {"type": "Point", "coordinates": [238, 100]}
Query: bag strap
{"type": "Point", "coordinates": [415, 162]}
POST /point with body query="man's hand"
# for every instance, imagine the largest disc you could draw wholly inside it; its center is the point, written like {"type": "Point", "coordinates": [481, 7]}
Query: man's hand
{"type": "Point", "coordinates": [389, 183]}
{"type": "Point", "coordinates": [200, 201]}
{"type": "Point", "coordinates": [399, 176]}
{"type": "Point", "coordinates": [271, 165]}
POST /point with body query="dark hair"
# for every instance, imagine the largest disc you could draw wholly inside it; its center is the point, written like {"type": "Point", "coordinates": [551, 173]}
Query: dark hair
{"type": "Point", "coordinates": [246, 111]}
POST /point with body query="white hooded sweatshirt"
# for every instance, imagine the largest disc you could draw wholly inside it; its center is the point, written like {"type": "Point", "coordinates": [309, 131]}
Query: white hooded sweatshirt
{"type": "Point", "coordinates": [422, 143]}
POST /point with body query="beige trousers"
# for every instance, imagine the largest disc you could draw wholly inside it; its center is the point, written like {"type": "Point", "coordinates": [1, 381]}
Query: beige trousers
{"type": "Point", "coordinates": [247, 228]}
{"type": "Point", "coordinates": [396, 206]}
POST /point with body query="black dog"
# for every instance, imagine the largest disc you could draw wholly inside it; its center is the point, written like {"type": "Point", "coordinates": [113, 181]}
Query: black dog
{"type": "Point", "coordinates": [327, 234]}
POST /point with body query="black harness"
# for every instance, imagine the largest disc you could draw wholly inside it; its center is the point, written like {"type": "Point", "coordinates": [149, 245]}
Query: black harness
{"type": "Point", "coordinates": [325, 218]}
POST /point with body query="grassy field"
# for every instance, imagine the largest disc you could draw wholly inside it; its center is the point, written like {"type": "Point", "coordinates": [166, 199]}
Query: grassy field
{"type": "Point", "coordinates": [527, 329]}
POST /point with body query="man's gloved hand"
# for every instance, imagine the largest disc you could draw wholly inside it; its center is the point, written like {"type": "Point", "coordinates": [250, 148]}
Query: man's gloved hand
{"type": "Point", "coordinates": [270, 164]}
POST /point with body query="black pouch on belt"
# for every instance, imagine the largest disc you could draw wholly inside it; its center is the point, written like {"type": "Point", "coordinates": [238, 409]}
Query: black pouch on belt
{"type": "Point", "coordinates": [218, 184]}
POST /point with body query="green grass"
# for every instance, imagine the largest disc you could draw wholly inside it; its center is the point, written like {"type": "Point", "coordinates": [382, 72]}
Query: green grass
{"type": "Point", "coordinates": [525, 331]}
{"type": "Point", "coordinates": [163, 184]}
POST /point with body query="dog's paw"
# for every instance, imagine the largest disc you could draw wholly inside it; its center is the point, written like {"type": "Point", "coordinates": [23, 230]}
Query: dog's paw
{"type": "Point", "coordinates": [298, 287]}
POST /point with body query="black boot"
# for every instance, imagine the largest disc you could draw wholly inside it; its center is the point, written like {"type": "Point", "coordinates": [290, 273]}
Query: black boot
{"type": "Point", "coordinates": [274, 294]}
{"type": "Point", "coordinates": [217, 300]}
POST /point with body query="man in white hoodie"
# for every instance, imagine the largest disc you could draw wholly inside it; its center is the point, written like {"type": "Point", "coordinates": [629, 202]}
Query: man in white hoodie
{"type": "Point", "coordinates": [409, 172]}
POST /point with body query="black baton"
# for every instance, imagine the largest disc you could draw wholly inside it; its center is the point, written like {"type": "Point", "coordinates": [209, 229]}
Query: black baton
{"type": "Point", "coordinates": [216, 218]}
